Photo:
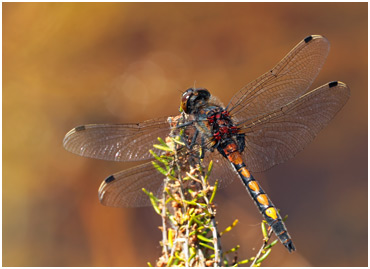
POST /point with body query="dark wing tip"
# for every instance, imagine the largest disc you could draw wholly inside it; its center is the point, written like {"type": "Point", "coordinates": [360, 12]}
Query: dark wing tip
{"type": "Point", "coordinates": [333, 84]}
{"type": "Point", "coordinates": [102, 189]}
{"type": "Point", "coordinates": [80, 128]}
{"type": "Point", "coordinates": [308, 38]}
{"type": "Point", "coordinates": [340, 86]}
{"type": "Point", "coordinates": [70, 134]}
{"type": "Point", "coordinates": [109, 179]}
{"type": "Point", "coordinates": [316, 38]}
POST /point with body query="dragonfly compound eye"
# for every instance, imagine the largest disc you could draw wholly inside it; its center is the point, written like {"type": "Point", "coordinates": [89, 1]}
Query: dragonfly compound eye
{"type": "Point", "coordinates": [194, 98]}
{"type": "Point", "coordinates": [185, 100]}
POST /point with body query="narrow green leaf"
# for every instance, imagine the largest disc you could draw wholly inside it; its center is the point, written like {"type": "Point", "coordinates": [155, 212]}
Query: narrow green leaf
{"type": "Point", "coordinates": [177, 140]}
{"type": "Point", "coordinates": [172, 197]}
{"type": "Point", "coordinates": [171, 177]}
{"type": "Point", "coordinates": [186, 178]}
{"type": "Point", "coordinates": [159, 168]}
{"type": "Point", "coordinates": [178, 257]}
{"type": "Point", "coordinates": [154, 154]}
{"type": "Point", "coordinates": [264, 232]}
{"type": "Point", "coordinates": [205, 239]}
{"type": "Point", "coordinates": [192, 202]}
{"type": "Point", "coordinates": [233, 249]}
{"type": "Point", "coordinates": [161, 147]}
{"type": "Point", "coordinates": [193, 252]}
{"type": "Point", "coordinates": [271, 245]}
{"type": "Point", "coordinates": [208, 171]}
{"type": "Point", "coordinates": [153, 200]}
{"type": "Point", "coordinates": [168, 200]}
{"type": "Point", "coordinates": [170, 260]}
{"type": "Point", "coordinates": [243, 261]}
{"type": "Point", "coordinates": [160, 159]}
{"type": "Point", "coordinates": [206, 246]}
{"type": "Point", "coordinates": [176, 262]}
{"type": "Point", "coordinates": [228, 229]}
{"type": "Point", "coordinates": [194, 218]}
{"type": "Point", "coordinates": [191, 191]}
{"type": "Point", "coordinates": [162, 141]}
{"type": "Point", "coordinates": [170, 237]}
{"type": "Point", "coordinates": [192, 232]}
{"type": "Point", "coordinates": [191, 210]}
{"type": "Point", "coordinates": [167, 158]}
{"type": "Point", "coordinates": [214, 192]}
{"type": "Point", "coordinates": [173, 220]}
{"type": "Point", "coordinates": [264, 256]}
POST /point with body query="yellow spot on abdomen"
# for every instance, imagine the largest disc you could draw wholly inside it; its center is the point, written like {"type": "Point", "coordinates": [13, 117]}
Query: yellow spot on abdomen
{"type": "Point", "coordinates": [271, 212]}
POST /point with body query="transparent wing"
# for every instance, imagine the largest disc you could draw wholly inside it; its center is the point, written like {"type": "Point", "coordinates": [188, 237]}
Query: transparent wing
{"type": "Point", "coordinates": [277, 136]}
{"type": "Point", "coordinates": [222, 169]}
{"type": "Point", "coordinates": [116, 142]}
{"type": "Point", "coordinates": [124, 189]}
{"type": "Point", "coordinates": [288, 80]}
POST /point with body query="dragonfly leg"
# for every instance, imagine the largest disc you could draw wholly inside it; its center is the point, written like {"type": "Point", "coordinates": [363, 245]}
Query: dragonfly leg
{"type": "Point", "coordinates": [203, 148]}
{"type": "Point", "coordinates": [194, 139]}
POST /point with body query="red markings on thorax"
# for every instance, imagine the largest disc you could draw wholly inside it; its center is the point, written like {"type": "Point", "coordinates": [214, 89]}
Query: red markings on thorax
{"type": "Point", "coordinates": [222, 123]}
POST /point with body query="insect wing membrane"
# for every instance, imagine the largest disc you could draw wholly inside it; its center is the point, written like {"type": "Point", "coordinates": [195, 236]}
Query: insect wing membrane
{"type": "Point", "coordinates": [116, 142]}
{"type": "Point", "coordinates": [222, 170]}
{"type": "Point", "coordinates": [288, 80]}
{"type": "Point", "coordinates": [125, 188]}
{"type": "Point", "coordinates": [278, 136]}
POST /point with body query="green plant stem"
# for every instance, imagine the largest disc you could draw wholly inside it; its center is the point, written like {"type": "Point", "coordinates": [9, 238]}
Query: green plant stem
{"type": "Point", "coordinates": [260, 252]}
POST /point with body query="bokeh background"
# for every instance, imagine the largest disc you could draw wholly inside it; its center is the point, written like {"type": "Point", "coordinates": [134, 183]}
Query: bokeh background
{"type": "Point", "coordinates": [66, 64]}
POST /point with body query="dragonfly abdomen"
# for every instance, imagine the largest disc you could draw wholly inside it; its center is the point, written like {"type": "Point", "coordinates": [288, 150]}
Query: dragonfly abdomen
{"type": "Point", "coordinates": [264, 204]}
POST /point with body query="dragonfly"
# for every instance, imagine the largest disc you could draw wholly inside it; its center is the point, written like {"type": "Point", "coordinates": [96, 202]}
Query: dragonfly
{"type": "Point", "coordinates": [266, 123]}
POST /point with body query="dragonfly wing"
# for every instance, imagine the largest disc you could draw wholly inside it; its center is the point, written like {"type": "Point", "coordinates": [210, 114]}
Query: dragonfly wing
{"type": "Point", "coordinates": [124, 189]}
{"type": "Point", "coordinates": [278, 136]}
{"type": "Point", "coordinates": [222, 170]}
{"type": "Point", "coordinates": [288, 80]}
{"type": "Point", "coordinates": [116, 142]}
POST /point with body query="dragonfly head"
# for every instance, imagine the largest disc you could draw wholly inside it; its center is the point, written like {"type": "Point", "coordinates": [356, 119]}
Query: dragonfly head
{"type": "Point", "coordinates": [193, 99]}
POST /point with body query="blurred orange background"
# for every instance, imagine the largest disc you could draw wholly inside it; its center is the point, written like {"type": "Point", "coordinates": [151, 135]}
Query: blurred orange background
{"type": "Point", "coordinates": [67, 64]}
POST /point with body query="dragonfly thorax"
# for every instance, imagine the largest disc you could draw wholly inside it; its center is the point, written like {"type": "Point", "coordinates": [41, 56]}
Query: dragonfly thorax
{"type": "Point", "coordinates": [221, 124]}
{"type": "Point", "coordinates": [223, 129]}
{"type": "Point", "coordinates": [212, 120]}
